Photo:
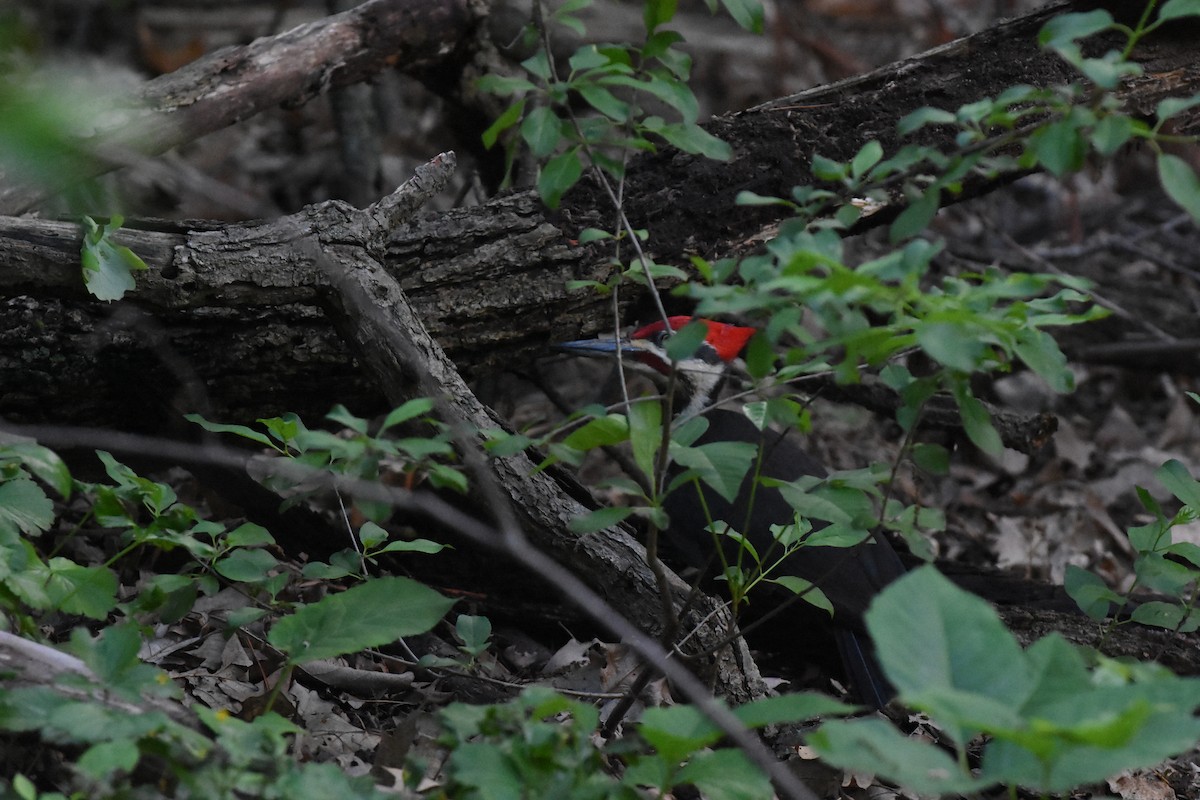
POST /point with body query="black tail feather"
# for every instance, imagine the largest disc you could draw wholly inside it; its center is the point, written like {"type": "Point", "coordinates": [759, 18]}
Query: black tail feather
{"type": "Point", "coordinates": [862, 669]}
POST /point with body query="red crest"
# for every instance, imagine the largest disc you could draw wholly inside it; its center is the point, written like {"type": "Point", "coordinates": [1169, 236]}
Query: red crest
{"type": "Point", "coordinates": [728, 340]}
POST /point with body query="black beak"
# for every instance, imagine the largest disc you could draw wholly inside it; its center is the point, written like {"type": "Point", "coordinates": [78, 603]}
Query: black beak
{"type": "Point", "coordinates": [593, 347]}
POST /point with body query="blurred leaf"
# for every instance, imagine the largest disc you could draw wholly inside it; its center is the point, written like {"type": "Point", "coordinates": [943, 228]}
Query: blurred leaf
{"type": "Point", "coordinates": [657, 12]}
{"type": "Point", "coordinates": [947, 651]}
{"type": "Point", "coordinates": [1066, 28]}
{"type": "Point", "coordinates": [916, 217]}
{"type": "Point", "coordinates": [1059, 147]}
{"type": "Point", "coordinates": [873, 746]}
{"type": "Point", "coordinates": [1180, 182]}
{"type": "Point", "coordinates": [746, 13]}
{"type": "Point", "coordinates": [43, 462]}
{"type": "Point", "coordinates": [1041, 353]}
{"type": "Point", "coordinates": [867, 156]}
{"type": "Point", "coordinates": [418, 406]}
{"type": "Point", "coordinates": [599, 519]}
{"type": "Point", "coordinates": [725, 774]}
{"type": "Point", "coordinates": [24, 509]}
{"type": "Point", "coordinates": [1174, 9]}
{"type": "Point", "coordinates": [246, 565]}
{"type": "Point", "coordinates": [692, 138]}
{"type": "Point", "coordinates": [977, 422]}
{"type": "Point", "coordinates": [371, 614]}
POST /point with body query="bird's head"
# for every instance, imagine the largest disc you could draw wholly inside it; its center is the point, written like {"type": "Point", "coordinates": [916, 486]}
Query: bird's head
{"type": "Point", "coordinates": [700, 373]}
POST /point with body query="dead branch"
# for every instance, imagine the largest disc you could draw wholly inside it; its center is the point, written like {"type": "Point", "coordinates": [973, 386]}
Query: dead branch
{"type": "Point", "coordinates": [235, 83]}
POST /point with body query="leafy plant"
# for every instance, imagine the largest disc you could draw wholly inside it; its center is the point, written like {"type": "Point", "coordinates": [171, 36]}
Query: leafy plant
{"type": "Point", "coordinates": [541, 744]}
{"type": "Point", "coordinates": [1055, 716]}
{"type": "Point", "coordinates": [360, 454]}
{"type": "Point", "coordinates": [253, 756]}
{"type": "Point", "coordinates": [615, 82]}
{"type": "Point", "coordinates": [1161, 565]}
{"type": "Point", "coordinates": [107, 267]}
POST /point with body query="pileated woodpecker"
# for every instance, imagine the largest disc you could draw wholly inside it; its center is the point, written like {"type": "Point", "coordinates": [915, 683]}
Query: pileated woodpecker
{"type": "Point", "coordinates": [849, 577]}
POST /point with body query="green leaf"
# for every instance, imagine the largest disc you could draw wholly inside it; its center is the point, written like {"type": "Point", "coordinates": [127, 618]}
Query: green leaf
{"type": "Point", "coordinates": [1041, 353]}
{"type": "Point", "coordinates": [368, 615]}
{"type": "Point", "coordinates": [1180, 182]}
{"type": "Point", "coordinates": [249, 534]}
{"type": "Point", "coordinates": [1173, 105]}
{"type": "Point", "coordinates": [41, 461]}
{"type": "Point", "coordinates": [1174, 9]}
{"type": "Point", "coordinates": [794, 707]}
{"type": "Point", "coordinates": [947, 651]}
{"type": "Point", "coordinates": [932, 458]}
{"type": "Point", "coordinates": [684, 343]}
{"type": "Point", "coordinates": [539, 65]}
{"type": "Point", "coordinates": [645, 435]}
{"type": "Point", "coordinates": [558, 175]}
{"type": "Point", "coordinates": [76, 589]}
{"type": "Point", "coordinates": [1111, 133]}
{"type": "Point", "coordinates": [691, 138]}
{"type": "Point", "coordinates": [873, 746]}
{"type": "Point", "coordinates": [542, 130]}
{"type": "Point", "coordinates": [1059, 147]}
{"type": "Point", "coordinates": [604, 101]}
{"type": "Point", "coordinates": [239, 430]}
{"type": "Point", "coordinates": [725, 775]}
{"type": "Point", "coordinates": [503, 85]}
{"type": "Point", "coordinates": [916, 217]}
{"type": "Point", "coordinates": [722, 466]}
{"type": "Point", "coordinates": [418, 406]}
{"type": "Point", "coordinates": [113, 656]}
{"type": "Point", "coordinates": [807, 590]}
{"type": "Point", "coordinates": [746, 13]}
{"type": "Point", "coordinates": [503, 123]}
{"type": "Point", "coordinates": [413, 546]}
{"type": "Point", "coordinates": [103, 759]}
{"type": "Point", "coordinates": [951, 344]}
{"type": "Point", "coordinates": [915, 120]}
{"type": "Point", "coordinates": [658, 12]}
{"type": "Point", "coordinates": [599, 519]}
{"type": "Point", "coordinates": [107, 267]}
{"type": "Point", "coordinates": [24, 508]}
{"type": "Point", "coordinates": [1179, 482]}
{"type": "Point", "coordinates": [1159, 614]}
{"type": "Point", "coordinates": [867, 156]}
{"type": "Point", "coordinates": [827, 169]}
{"type": "Point", "coordinates": [474, 632]}
{"type": "Point", "coordinates": [586, 58]}
{"type": "Point", "coordinates": [977, 422]}
{"type": "Point", "coordinates": [488, 769]}
{"type": "Point", "coordinates": [249, 566]}
{"type": "Point", "coordinates": [599, 432]}
{"type": "Point", "coordinates": [745, 198]}
{"type": "Point", "coordinates": [1066, 28]}
{"type": "Point", "coordinates": [341, 415]}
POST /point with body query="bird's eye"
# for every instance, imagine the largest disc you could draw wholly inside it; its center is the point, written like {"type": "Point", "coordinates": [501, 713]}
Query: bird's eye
{"type": "Point", "coordinates": [662, 336]}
